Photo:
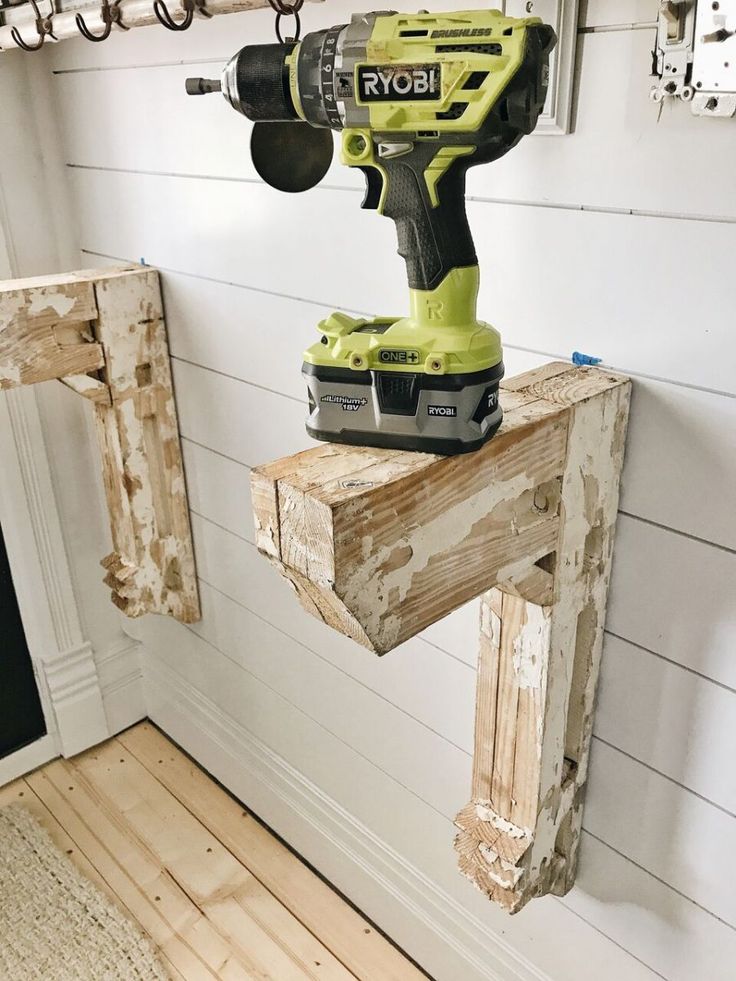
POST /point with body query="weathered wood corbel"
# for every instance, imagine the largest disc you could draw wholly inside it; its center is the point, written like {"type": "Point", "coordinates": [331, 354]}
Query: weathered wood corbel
{"type": "Point", "coordinates": [102, 333]}
{"type": "Point", "coordinates": [380, 544]}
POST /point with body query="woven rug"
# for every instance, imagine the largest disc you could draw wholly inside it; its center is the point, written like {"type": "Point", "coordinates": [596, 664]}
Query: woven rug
{"type": "Point", "coordinates": [55, 925]}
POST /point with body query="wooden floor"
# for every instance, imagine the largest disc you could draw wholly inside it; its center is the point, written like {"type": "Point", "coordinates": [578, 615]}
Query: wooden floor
{"type": "Point", "coordinates": [215, 891]}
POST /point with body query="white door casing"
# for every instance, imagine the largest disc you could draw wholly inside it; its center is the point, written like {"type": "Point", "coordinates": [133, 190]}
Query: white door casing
{"type": "Point", "coordinates": [63, 660]}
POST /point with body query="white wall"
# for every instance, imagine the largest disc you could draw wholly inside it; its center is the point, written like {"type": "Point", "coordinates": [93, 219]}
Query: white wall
{"type": "Point", "coordinates": [618, 241]}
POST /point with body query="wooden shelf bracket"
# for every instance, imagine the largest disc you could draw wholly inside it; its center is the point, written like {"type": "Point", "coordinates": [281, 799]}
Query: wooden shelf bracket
{"type": "Point", "coordinates": [379, 544]}
{"type": "Point", "coordinates": [102, 333]}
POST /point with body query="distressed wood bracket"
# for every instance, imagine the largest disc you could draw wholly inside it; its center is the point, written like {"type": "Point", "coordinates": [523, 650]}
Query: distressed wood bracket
{"type": "Point", "coordinates": [102, 333]}
{"type": "Point", "coordinates": [380, 544]}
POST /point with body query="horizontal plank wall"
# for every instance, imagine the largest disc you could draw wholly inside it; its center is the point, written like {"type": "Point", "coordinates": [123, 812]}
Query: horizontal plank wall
{"type": "Point", "coordinates": [606, 241]}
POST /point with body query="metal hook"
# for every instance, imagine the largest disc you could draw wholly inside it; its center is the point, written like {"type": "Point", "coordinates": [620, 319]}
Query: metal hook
{"type": "Point", "coordinates": [110, 14]}
{"type": "Point", "coordinates": [287, 10]}
{"type": "Point", "coordinates": [164, 17]}
{"type": "Point", "coordinates": [107, 20]}
{"type": "Point", "coordinates": [297, 25]}
{"type": "Point", "coordinates": [189, 6]}
{"type": "Point", "coordinates": [43, 28]}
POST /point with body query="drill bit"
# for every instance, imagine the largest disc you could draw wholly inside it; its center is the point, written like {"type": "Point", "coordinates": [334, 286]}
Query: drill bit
{"type": "Point", "coordinates": [203, 86]}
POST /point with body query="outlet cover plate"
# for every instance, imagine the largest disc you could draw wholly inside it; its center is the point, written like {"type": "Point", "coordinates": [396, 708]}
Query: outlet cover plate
{"type": "Point", "coordinates": [563, 16]}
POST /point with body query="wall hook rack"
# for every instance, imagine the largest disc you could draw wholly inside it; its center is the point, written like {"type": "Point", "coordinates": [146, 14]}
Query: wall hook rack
{"type": "Point", "coordinates": [102, 333]}
{"type": "Point", "coordinates": [379, 544]}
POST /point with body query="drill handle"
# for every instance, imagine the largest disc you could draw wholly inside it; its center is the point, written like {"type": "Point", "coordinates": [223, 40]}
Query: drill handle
{"type": "Point", "coordinates": [425, 196]}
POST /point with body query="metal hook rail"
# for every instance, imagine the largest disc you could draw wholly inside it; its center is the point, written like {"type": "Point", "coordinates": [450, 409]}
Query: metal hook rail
{"type": "Point", "coordinates": [18, 29]}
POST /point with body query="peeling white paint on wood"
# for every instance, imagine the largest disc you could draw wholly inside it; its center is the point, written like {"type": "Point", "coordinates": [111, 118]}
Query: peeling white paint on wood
{"type": "Point", "coordinates": [380, 528]}
{"type": "Point", "coordinates": [59, 302]}
{"type": "Point", "coordinates": [111, 321]}
{"type": "Point", "coordinates": [151, 568]}
{"type": "Point", "coordinates": [555, 652]}
{"type": "Point", "coordinates": [44, 332]}
{"type": "Point", "coordinates": [379, 545]}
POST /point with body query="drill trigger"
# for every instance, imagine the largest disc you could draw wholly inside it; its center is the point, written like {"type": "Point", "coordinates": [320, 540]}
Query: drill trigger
{"type": "Point", "coordinates": [373, 187]}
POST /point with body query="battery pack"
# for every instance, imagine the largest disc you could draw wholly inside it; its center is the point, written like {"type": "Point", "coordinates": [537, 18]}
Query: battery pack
{"type": "Point", "coordinates": [446, 414]}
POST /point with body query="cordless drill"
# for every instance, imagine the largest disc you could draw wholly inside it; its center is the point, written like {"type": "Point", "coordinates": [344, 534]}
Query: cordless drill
{"type": "Point", "coordinates": [419, 98]}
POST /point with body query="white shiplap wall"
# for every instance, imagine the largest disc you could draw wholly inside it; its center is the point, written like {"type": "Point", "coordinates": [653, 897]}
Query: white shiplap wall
{"type": "Point", "coordinates": [617, 240]}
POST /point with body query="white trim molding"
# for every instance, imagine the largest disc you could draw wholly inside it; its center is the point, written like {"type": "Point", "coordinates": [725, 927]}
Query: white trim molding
{"type": "Point", "coordinates": [75, 693]}
{"type": "Point", "coordinates": [63, 660]}
{"type": "Point", "coordinates": [349, 854]}
{"type": "Point", "coordinates": [86, 695]}
{"type": "Point", "coordinates": [121, 683]}
{"type": "Point", "coordinates": [80, 708]}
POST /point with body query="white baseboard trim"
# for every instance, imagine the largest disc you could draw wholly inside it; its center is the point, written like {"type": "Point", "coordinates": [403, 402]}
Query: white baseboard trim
{"type": "Point", "coordinates": [121, 684]}
{"type": "Point", "coordinates": [430, 924]}
{"type": "Point", "coordinates": [74, 688]}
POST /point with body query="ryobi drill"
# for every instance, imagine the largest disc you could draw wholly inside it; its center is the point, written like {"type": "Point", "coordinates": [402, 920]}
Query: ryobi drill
{"type": "Point", "coordinates": [419, 99]}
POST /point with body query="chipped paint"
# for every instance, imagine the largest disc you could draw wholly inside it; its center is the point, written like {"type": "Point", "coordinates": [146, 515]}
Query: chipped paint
{"type": "Point", "coordinates": [374, 581]}
{"type": "Point", "coordinates": [384, 589]}
{"type": "Point", "coordinates": [530, 648]}
{"type": "Point", "coordinates": [493, 858]}
{"type": "Point", "coordinates": [152, 567]}
{"type": "Point", "coordinates": [557, 652]}
{"type": "Point", "coordinates": [487, 814]}
{"type": "Point", "coordinates": [10, 373]}
{"type": "Point", "coordinates": [500, 880]}
{"type": "Point", "coordinates": [60, 303]}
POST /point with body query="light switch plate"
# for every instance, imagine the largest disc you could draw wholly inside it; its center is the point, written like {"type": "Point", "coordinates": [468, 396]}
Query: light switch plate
{"type": "Point", "coordinates": [695, 55]}
{"type": "Point", "coordinates": [563, 16]}
{"type": "Point", "coordinates": [714, 59]}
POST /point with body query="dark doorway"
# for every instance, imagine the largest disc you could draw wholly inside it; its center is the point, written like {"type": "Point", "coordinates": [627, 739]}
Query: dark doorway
{"type": "Point", "coordinates": [21, 716]}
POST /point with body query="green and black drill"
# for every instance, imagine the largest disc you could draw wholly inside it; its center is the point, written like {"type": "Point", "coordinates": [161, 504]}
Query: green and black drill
{"type": "Point", "coordinates": [419, 98]}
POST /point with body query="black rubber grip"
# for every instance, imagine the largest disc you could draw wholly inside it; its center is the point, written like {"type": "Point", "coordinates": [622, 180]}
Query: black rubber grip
{"type": "Point", "coordinates": [263, 82]}
{"type": "Point", "coordinates": [432, 240]}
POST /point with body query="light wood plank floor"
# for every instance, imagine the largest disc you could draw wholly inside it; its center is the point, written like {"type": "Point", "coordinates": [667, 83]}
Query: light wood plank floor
{"type": "Point", "coordinates": [214, 890]}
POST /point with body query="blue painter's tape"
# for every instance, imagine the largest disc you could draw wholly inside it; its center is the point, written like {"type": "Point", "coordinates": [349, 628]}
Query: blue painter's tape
{"type": "Point", "coordinates": [582, 359]}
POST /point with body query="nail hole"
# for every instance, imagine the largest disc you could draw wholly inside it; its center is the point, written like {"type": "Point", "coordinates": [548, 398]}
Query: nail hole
{"type": "Point", "coordinates": [143, 375]}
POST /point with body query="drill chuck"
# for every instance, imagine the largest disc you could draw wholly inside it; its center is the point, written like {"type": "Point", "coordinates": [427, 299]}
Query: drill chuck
{"type": "Point", "coordinates": [255, 82]}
